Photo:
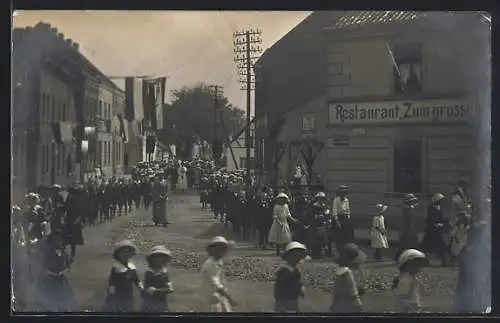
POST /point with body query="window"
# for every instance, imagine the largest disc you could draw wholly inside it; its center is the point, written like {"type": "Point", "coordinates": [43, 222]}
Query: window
{"type": "Point", "coordinates": [42, 159]}
{"type": "Point", "coordinates": [53, 109]}
{"type": "Point", "coordinates": [46, 170]}
{"type": "Point", "coordinates": [100, 109]}
{"type": "Point", "coordinates": [62, 156]}
{"type": "Point", "coordinates": [408, 166]}
{"type": "Point", "coordinates": [109, 153]}
{"type": "Point", "coordinates": [44, 107]}
{"type": "Point", "coordinates": [101, 152]}
{"type": "Point", "coordinates": [63, 112]}
{"type": "Point", "coordinates": [109, 112]}
{"type": "Point", "coordinates": [69, 164]}
{"type": "Point", "coordinates": [408, 67]}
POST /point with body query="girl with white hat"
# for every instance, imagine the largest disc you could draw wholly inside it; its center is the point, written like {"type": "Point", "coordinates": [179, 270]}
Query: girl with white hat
{"type": "Point", "coordinates": [280, 233]}
{"type": "Point", "coordinates": [215, 295]}
{"type": "Point", "coordinates": [289, 287]}
{"type": "Point", "coordinates": [378, 232]}
{"type": "Point", "coordinates": [122, 278]}
{"type": "Point", "coordinates": [407, 285]}
{"type": "Point", "coordinates": [157, 283]}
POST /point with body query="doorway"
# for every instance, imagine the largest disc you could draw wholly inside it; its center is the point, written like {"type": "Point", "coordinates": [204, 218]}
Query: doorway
{"type": "Point", "coordinates": [408, 166]}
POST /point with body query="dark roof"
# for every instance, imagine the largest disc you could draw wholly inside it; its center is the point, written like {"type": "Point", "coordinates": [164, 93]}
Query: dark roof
{"type": "Point", "coordinates": [356, 19]}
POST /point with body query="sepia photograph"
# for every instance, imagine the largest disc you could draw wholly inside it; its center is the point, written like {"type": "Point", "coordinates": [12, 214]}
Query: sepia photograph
{"type": "Point", "coordinates": [251, 162]}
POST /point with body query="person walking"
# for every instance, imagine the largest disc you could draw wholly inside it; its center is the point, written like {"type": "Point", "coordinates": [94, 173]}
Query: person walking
{"type": "Point", "coordinates": [433, 241]}
{"type": "Point", "coordinates": [280, 233]}
{"type": "Point", "coordinates": [122, 279]}
{"type": "Point", "coordinates": [408, 236]}
{"type": "Point", "coordinates": [378, 232]}
{"type": "Point", "coordinates": [289, 285]}
{"type": "Point", "coordinates": [214, 292]}
{"type": "Point", "coordinates": [157, 283]}
{"type": "Point", "coordinates": [346, 292]}
{"type": "Point", "coordinates": [341, 210]}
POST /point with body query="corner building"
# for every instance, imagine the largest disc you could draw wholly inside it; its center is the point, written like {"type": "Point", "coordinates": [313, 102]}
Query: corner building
{"type": "Point", "coordinates": [402, 107]}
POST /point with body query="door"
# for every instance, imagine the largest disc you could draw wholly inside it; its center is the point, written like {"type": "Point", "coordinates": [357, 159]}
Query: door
{"type": "Point", "coordinates": [408, 166]}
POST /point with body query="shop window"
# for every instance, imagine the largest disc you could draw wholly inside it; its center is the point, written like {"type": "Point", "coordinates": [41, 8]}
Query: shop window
{"type": "Point", "coordinates": [408, 166]}
{"type": "Point", "coordinates": [407, 67]}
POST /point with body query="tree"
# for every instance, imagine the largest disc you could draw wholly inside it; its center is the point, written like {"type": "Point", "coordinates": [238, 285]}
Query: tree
{"type": "Point", "coordinates": [191, 115]}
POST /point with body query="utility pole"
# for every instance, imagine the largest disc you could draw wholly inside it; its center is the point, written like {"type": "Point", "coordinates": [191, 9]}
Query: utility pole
{"type": "Point", "coordinates": [243, 42]}
{"type": "Point", "coordinates": [216, 90]}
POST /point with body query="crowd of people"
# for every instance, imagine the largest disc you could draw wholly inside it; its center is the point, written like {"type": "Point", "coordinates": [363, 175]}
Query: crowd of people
{"type": "Point", "coordinates": [298, 222]}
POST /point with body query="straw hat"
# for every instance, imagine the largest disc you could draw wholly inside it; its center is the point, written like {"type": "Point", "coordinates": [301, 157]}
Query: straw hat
{"type": "Point", "coordinates": [124, 244]}
{"type": "Point", "coordinates": [438, 197]}
{"type": "Point", "coordinates": [408, 255]}
{"type": "Point", "coordinates": [282, 196]}
{"type": "Point", "coordinates": [351, 254]}
{"type": "Point", "coordinates": [294, 245]}
{"type": "Point", "coordinates": [381, 208]}
{"type": "Point", "coordinates": [159, 250]}
{"type": "Point", "coordinates": [220, 241]}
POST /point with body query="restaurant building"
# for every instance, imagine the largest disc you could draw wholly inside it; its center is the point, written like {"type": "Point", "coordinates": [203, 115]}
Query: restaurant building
{"type": "Point", "coordinates": [401, 109]}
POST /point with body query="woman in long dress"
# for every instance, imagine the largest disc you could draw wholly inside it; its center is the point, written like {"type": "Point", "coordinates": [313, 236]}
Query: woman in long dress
{"type": "Point", "coordinates": [182, 181]}
{"type": "Point", "coordinates": [280, 233]}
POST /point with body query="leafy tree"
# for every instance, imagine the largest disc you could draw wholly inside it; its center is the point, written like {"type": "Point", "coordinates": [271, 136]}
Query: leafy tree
{"type": "Point", "coordinates": [191, 116]}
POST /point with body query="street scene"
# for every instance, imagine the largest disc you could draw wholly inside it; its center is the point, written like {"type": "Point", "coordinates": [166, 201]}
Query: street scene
{"type": "Point", "coordinates": [341, 183]}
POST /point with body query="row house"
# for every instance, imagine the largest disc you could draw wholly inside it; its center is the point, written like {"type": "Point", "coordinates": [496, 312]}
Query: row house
{"type": "Point", "coordinates": [44, 79]}
{"type": "Point", "coordinates": [110, 129]}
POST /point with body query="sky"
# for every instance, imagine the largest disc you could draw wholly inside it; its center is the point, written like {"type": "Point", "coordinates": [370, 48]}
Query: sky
{"type": "Point", "coordinates": [186, 46]}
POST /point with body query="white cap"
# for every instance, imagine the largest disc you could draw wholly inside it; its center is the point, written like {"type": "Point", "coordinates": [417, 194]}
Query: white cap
{"type": "Point", "coordinates": [294, 245]}
{"type": "Point", "coordinates": [221, 240]}
{"type": "Point", "coordinates": [410, 254]}
{"type": "Point", "coordinates": [282, 195]}
{"type": "Point", "coordinates": [320, 194]}
{"type": "Point", "coordinates": [160, 250]}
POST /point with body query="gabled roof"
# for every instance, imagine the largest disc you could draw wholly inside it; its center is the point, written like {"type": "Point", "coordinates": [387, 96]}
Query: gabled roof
{"type": "Point", "coordinates": [354, 19]}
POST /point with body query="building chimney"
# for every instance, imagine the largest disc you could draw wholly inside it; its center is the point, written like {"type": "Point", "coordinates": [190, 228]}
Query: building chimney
{"type": "Point", "coordinates": [54, 30]}
{"type": "Point", "coordinates": [60, 35]}
{"type": "Point", "coordinates": [69, 42]}
{"type": "Point", "coordinates": [76, 46]}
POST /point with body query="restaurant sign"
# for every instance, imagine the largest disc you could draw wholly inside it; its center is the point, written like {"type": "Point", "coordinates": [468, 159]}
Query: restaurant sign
{"type": "Point", "coordinates": [399, 111]}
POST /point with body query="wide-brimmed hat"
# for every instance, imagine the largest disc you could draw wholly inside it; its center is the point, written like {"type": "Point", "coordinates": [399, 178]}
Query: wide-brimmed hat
{"type": "Point", "coordinates": [282, 196]}
{"type": "Point", "coordinates": [124, 244]}
{"type": "Point", "coordinates": [294, 245]}
{"type": "Point", "coordinates": [220, 241]}
{"type": "Point", "coordinates": [438, 197]}
{"type": "Point", "coordinates": [351, 254]}
{"type": "Point", "coordinates": [56, 187]}
{"type": "Point", "coordinates": [410, 254]}
{"type": "Point", "coordinates": [381, 208]}
{"type": "Point", "coordinates": [159, 251]}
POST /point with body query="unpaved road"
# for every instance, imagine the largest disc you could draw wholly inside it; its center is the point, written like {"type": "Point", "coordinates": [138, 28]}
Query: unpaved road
{"type": "Point", "coordinates": [250, 274]}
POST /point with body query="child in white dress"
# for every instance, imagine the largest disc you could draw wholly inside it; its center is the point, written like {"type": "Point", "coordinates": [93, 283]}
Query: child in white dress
{"type": "Point", "coordinates": [280, 233]}
{"type": "Point", "coordinates": [378, 233]}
